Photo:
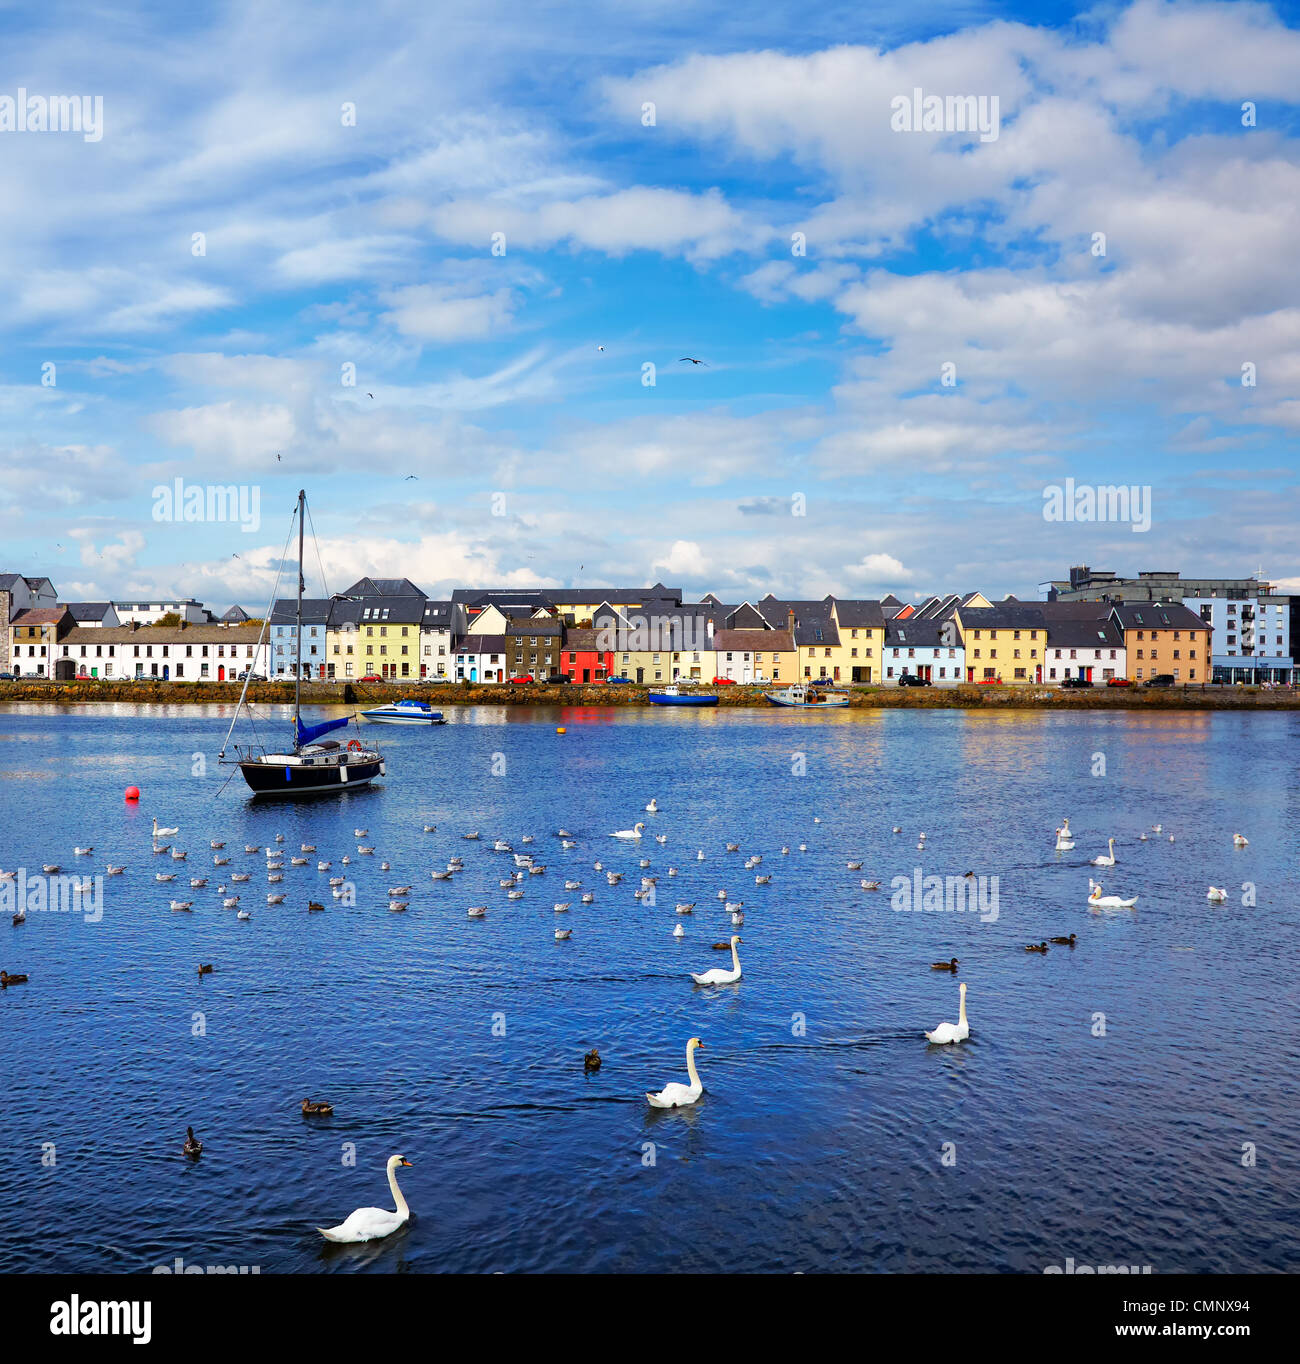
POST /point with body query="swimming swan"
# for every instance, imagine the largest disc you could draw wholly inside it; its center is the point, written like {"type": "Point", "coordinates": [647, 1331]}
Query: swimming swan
{"type": "Point", "coordinates": [719, 976]}
{"type": "Point", "coordinates": [953, 1032]}
{"type": "Point", "coordinates": [1107, 859]}
{"type": "Point", "coordinates": [371, 1224]}
{"type": "Point", "coordinates": [679, 1095]}
{"type": "Point", "coordinates": [629, 833]}
{"type": "Point", "coordinates": [1109, 901]}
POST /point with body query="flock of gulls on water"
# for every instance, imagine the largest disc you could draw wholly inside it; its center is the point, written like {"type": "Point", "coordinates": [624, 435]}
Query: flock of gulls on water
{"type": "Point", "coordinates": [368, 1224]}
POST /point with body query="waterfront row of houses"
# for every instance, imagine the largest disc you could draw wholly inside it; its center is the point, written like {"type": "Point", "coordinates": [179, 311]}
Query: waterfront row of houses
{"type": "Point", "coordinates": [388, 629]}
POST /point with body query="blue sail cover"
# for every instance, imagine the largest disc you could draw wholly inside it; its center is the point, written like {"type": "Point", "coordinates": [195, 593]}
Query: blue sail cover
{"type": "Point", "coordinates": [310, 733]}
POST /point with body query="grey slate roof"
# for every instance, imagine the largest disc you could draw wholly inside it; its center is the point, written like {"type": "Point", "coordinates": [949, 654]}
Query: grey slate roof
{"type": "Point", "coordinates": [315, 611]}
{"type": "Point", "coordinates": [383, 587]}
{"type": "Point", "coordinates": [856, 613]}
{"type": "Point", "coordinates": [922, 634]}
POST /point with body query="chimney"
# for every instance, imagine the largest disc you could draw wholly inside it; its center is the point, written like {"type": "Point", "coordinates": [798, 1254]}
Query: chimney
{"type": "Point", "coordinates": [710, 629]}
{"type": "Point", "coordinates": [790, 619]}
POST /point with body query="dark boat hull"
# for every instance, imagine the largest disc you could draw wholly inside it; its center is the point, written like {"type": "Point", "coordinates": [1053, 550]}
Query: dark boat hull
{"type": "Point", "coordinates": [272, 779]}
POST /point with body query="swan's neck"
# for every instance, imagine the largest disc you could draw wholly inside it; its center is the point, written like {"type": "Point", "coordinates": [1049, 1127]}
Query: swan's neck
{"type": "Point", "coordinates": [690, 1069]}
{"type": "Point", "coordinates": [402, 1209]}
{"type": "Point", "coordinates": [961, 1017]}
{"type": "Point", "coordinates": [735, 958]}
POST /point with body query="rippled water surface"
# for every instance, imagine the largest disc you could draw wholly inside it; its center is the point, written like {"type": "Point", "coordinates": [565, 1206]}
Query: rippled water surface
{"type": "Point", "coordinates": [820, 1141]}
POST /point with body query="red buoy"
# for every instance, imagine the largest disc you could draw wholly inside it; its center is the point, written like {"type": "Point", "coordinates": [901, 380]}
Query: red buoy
{"type": "Point", "coordinates": [132, 793]}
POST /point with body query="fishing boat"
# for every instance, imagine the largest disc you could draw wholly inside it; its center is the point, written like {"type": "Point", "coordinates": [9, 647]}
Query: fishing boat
{"type": "Point", "coordinates": [674, 696]}
{"type": "Point", "coordinates": [404, 712]}
{"type": "Point", "coordinates": [800, 697]}
{"type": "Point", "coordinates": [310, 764]}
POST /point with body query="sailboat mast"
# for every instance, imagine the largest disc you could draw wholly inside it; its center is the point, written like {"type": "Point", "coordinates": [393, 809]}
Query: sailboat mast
{"type": "Point", "coordinates": [297, 672]}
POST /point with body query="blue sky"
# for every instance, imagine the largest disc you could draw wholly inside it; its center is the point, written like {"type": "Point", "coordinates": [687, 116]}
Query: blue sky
{"type": "Point", "coordinates": [541, 459]}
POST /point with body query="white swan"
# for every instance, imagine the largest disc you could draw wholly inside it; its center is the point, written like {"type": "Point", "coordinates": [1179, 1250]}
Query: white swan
{"type": "Point", "coordinates": [1064, 844]}
{"type": "Point", "coordinates": [720, 976]}
{"type": "Point", "coordinates": [1240, 841]}
{"type": "Point", "coordinates": [159, 832]}
{"type": "Point", "coordinates": [1217, 894]}
{"type": "Point", "coordinates": [370, 1224]}
{"type": "Point", "coordinates": [679, 1095]}
{"type": "Point", "coordinates": [952, 1032]}
{"type": "Point", "coordinates": [1107, 859]}
{"type": "Point", "coordinates": [634, 832]}
{"type": "Point", "coordinates": [653, 807]}
{"type": "Point", "coordinates": [1064, 830]}
{"type": "Point", "coordinates": [1096, 898]}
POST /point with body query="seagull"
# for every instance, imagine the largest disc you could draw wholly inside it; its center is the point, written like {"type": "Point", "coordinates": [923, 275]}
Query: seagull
{"type": "Point", "coordinates": [600, 347]}
{"type": "Point", "coordinates": [409, 477]}
{"type": "Point", "coordinates": [693, 361]}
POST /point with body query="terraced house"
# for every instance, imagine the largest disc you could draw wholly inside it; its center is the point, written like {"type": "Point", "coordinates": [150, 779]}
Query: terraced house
{"type": "Point", "coordinates": [162, 653]}
{"type": "Point", "coordinates": [533, 646]}
{"type": "Point", "coordinates": [861, 628]}
{"type": "Point", "coordinates": [1164, 639]}
{"type": "Point", "coordinates": [1083, 642]}
{"type": "Point", "coordinates": [1005, 642]}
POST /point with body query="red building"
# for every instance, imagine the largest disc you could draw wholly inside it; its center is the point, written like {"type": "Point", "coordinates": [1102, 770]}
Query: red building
{"type": "Point", "coordinates": [582, 659]}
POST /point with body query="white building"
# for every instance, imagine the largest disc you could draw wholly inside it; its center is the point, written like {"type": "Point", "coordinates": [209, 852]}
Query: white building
{"type": "Point", "coordinates": [481, 658]}
{"type": "Point", "coordinates": [442, 625]}
{"type": "Point", "coordinates": [149, 612]}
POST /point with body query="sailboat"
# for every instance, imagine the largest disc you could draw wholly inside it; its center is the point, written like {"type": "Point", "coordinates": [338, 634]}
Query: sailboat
{"type": "Point", "coordinates": [311, 764]}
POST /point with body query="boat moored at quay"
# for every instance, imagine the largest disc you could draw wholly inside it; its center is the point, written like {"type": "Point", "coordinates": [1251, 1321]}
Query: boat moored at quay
{"type": "Point", "coordinates": [799, 697]}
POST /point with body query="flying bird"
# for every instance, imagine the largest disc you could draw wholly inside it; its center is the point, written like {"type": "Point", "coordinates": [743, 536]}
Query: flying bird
{"type": "Point", "coordinates": [693, 361]}
{"type": "Point", "coordinates": [278, 458]}
{"type": "Point", "coordinates": [370, 395]}
{"type": "Point", "coordinates": [600, 347]}
{"type": "Point", "coordinates": [409, 477]}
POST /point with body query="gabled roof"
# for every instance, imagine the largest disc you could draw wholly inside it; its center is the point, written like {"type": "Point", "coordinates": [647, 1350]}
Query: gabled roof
{"type": "Point", "coordinates": [482, 644]}
{"type": "Point", "coordinates": [582, 640]}
{"type": "Point", "coordinates": [1084, 632]}
{"type": "Point", "coordinates": [403, 610]}
{"type": "Point", "coordinates": [890, 604]}
{"type": "Point", "coordinates": [235, 615]}
{"type": "Point", "coordinates": [626, 596]}
{"type": "Point", "coordinates": [40, 615]}
{"type": "Point", "coordinates": [765, 641]}
{"type": "Point", "coordinates": [1003, 616]}
{"type": "Point", "coordinates": [1157, 615]}
{"type": "Point", "coordinates": [510, 601]}
{"type": "Point", "coordinates": [857, 613]}
{"type": "Point", "coordinates": [382, 587]}
{"type": "Point", "coordinates": [535, 626]}
{"type": "Point", "coordinates": [919, 632]}
{"type": "Point", "coordinates": [315, 610]}
{"type": "Point", "coordinates": [438, 613]}
{"type": "Point", "coordinates": [89, 610]}
{"type": "Point", "coordinates": [813, 626]}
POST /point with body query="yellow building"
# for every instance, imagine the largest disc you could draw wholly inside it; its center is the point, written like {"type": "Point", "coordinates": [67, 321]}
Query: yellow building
{"type": "Point", "coordinates": [1005, 642]}
{"type": "Point", "coordinates": [860, 626]}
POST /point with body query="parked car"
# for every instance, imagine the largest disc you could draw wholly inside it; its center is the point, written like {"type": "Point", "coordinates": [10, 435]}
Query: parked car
{"type": "Point", "coordinates": [522, 681]}
{"type": "Point", "coordinates": [6, 677]}
{"type": "Point", "coordinates": [724, 681]}
{"type": "Point", "coordinates": [1073, 682]}
{"type": "Point", "coordinates": [912, 680]}
{"type": "Point", "coordinates": [822, 682]}
{"type": "Point", "coordinates": [1118, 682]}
{"type": "Point", "coordinates": [372, 677]}
{"type": "Point", "coordinates": [1160, 680]}
{"type": "Point", "coordinates": [620, 681]}
{"type": "Point", "coordinates": [990, 682]}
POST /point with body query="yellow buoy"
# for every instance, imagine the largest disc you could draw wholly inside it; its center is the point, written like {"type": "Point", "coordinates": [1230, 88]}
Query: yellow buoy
{"type": "Point", "coordinates": [559, 729]}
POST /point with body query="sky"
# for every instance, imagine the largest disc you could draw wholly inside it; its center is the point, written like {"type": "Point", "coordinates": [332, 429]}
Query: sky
{"type": "Point", "coordinates": [439, 265]}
